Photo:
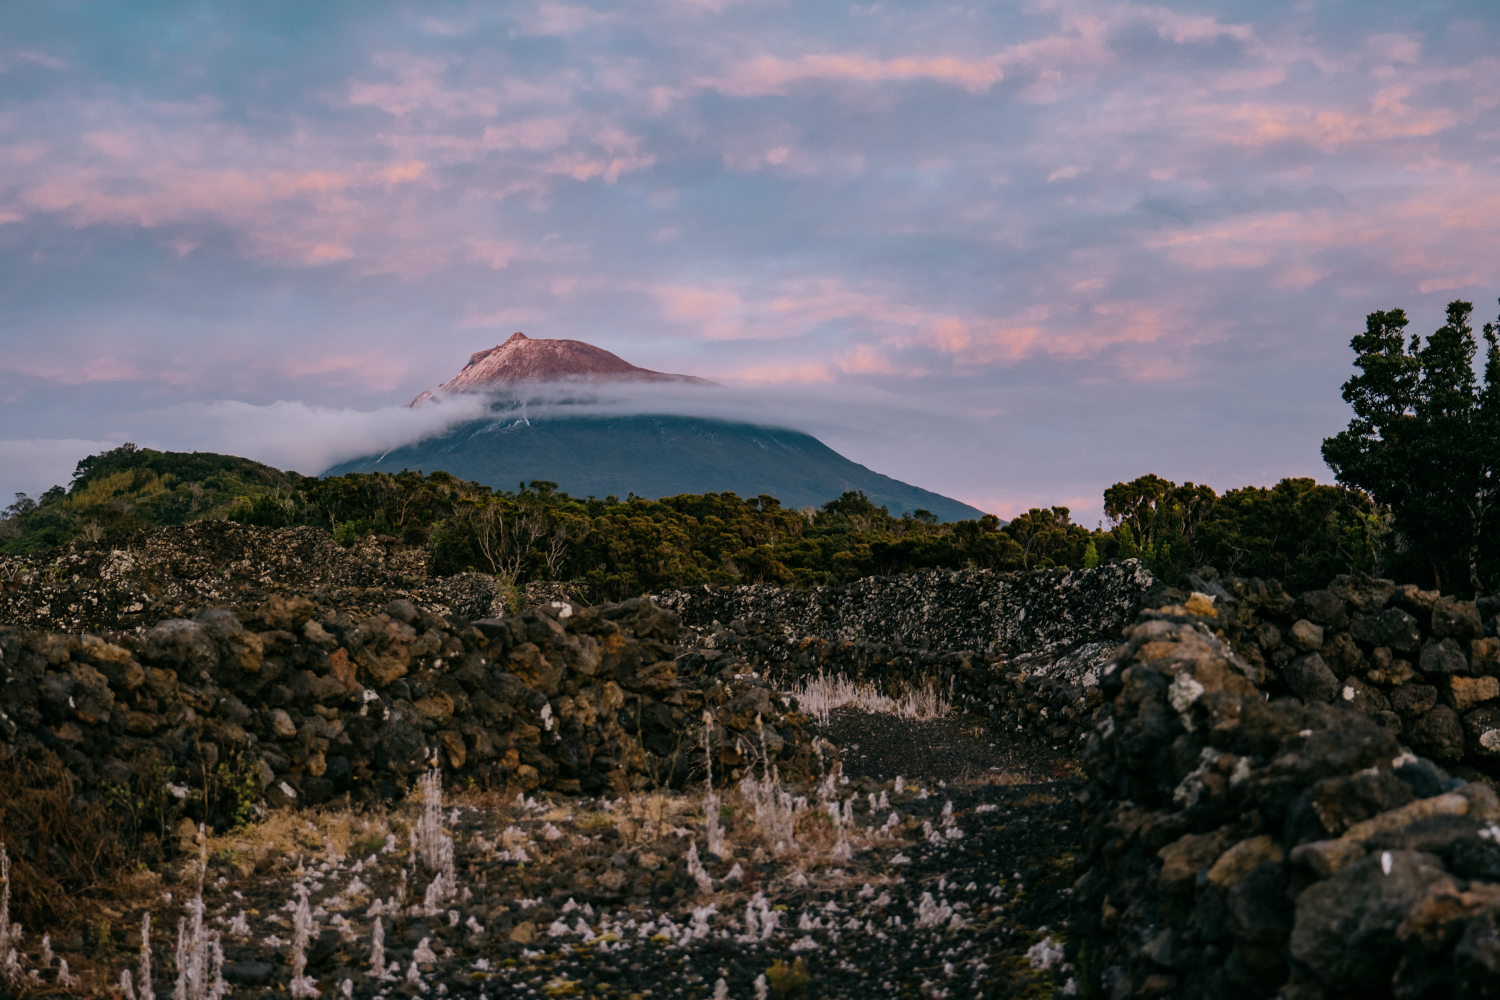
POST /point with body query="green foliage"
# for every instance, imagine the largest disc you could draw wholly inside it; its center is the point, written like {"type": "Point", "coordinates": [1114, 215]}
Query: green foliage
{"type": "Point", "coordinates": [1425, 444]}
{"type": "Point", "coordinates": [236, 789]}
{"type": "Point", "coordinates": [1298, 531]}
{"type": "Point", "coordinates": [123, 490]}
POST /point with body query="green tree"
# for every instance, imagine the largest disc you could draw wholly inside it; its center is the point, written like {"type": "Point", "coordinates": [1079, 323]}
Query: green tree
{"type": "Point", "coordinates": [1425, 442]}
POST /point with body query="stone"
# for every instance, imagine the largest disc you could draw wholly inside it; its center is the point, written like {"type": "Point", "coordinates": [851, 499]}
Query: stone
{"type": "Point", "coordinates": [1362, 593]}
{"type": "Point", "coordinates": [1444, 905]}
{"type": "Point", "coordinates": [1241, 859]}
{"type": "Point", "coordinates": [1437, 733]}
{"type": "Point", "coordinates": [1268, 637]}
{"type": "Point", "coordinates": [1484, 657]}
{"type": "Point", "coordinates": [1482, 730]}
{"type": "Point", "coordinates": [1459, 619]}
{"type": "Point", "coordinates": [92, 699]}
{"type": "Point", "coordinates": [1414, 596]}
{"type": "Point", "coordinates": [181, 643]}
{"type": "Point", "coordinates": [1322, 607]}
{"type": "Point", "coordinates": [1305, 635]}
{"type": "Point", "coordinates": [523, 932]}
{"type": "Point", "coordinates": [338, 661]}
{"type": "Point", "coordinates": [1390, 627]}
{"type": "Point", "coordinates": [453, 743]}
{"type": "Point", "coordinates": [1325, 858]}
{"type": "Point", "coordinates": [437, 706]}
{"type": "Point", "coordinates": [1310, 677]}
{"type": "Point", "coordinates": [1447, 804]}
{"type": "Point", "coordinates": [1464, 693]}
{"type": "Point", "coordinates": [1393, 674]}
{"type": "Point", "coordinates": [1445, 657]}
{"type": "Point", "coordinates": [1357, 694]}
{"type": "Point", "coordinates": [402, 610]}
{"type": "Point", "coordinates": [1186, 856]}
{"type": "Point", "coordinates": [1259, 911]}
{"type": "Point", "coordinates": [282, 724]}
{"type": "Point", "coordinates": [1345, 926]}
{"type": "Point", "coordinates": [1411, 700]}
{"type": "Point", "coordinates": [1484, 803]}
{"type": "Point", "coordinates": [1341, 802]}
{"type": "Point", "coordinates": [1342, 654]}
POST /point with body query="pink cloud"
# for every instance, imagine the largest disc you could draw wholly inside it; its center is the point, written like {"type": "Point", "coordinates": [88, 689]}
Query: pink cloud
{"type": "Point", "coordinates": [765, 75]}
{"type": "Point", "coordinates": [791, 371]}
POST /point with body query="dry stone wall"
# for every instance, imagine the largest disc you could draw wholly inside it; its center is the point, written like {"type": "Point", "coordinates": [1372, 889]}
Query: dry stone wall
{"type": "Point", "coordinates": [1244, 845]}
{"type": "Point", "coordinates": [1425, 665]}
{"type": "Point", "coordinates": [307, 702]}
{"type": "Point", "coordinates": [980, 610]}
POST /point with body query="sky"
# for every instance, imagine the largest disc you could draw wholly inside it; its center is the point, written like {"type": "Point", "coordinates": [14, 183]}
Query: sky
{"type": "Point", "coordinates": [1013, 252]}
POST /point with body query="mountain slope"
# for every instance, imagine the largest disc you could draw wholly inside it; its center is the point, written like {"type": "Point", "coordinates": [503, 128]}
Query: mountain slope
{"type": "Point", "coordinates": [655, 456]}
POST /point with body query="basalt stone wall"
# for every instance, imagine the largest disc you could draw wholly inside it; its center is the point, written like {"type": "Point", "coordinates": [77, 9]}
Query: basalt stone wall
{"type": "Point", "coordinates": [1248, 844]}
{"type": "Point", "coordinates": [1425, 665]}
{"type": "Point", "coordinates": [309, 701]}
{"type": "Point", "coordinates": [166, 573]}
{"type": "Point", "coordinates": [964, 609]}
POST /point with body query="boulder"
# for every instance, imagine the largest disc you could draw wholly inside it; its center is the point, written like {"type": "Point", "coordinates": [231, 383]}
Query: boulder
{"type": "Point", "coordinates": [1363, 594]}
{"type": "Point", "coordinates": [1305, 635]}
{"type": "Point", "coordinates": [1464, 693]}
{"type": "Point", "coordinates": [1459, 619]}
{"type": "Point", "coordinates": [1391, 627]}
{"type": "Point", "coordinates": [1310, 677]}
{"type": "Point", "coordinates": [1345, 926]}
{"type": "Point", "coordinates": [1322, 607]}
{"type": "Point", "coordinates": [1444, 657]}
{"type": "Point", "coordinates": [1438, 733]}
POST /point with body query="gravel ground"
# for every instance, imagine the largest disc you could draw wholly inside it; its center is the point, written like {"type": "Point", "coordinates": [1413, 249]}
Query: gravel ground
{"type": "Point", "coordinates": [962, 894]}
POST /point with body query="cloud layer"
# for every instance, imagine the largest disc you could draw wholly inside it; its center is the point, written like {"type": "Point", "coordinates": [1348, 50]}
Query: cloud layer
{"type": "Point", "coordinates": [1066, 241]}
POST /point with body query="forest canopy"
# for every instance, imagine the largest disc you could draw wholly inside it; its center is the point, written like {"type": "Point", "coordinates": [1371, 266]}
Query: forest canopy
{"type": "Point", "coordinates": [1298, 530]}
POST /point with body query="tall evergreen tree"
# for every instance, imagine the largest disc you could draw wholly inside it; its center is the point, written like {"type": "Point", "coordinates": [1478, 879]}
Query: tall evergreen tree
{"type": "Point", "coordinates": [1424, 443]}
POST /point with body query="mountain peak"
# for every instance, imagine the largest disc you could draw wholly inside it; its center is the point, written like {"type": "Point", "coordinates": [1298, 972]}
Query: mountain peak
{"type": "Point", "coordinates": [526, 359]}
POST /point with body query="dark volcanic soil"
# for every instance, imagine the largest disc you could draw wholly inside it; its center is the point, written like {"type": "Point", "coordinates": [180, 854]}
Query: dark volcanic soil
{"type": "Point", "coordinates": [955, 748]}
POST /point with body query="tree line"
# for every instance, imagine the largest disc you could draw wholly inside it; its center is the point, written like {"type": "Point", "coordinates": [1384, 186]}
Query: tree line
{"type": "Point", "coordinates": [1414, 500]}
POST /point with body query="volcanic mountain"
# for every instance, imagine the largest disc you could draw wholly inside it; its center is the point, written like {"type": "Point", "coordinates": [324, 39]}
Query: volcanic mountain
{"type": "Point", "coordinates": [648, 454]}
{"type": "Point", "coordinates": [522, 359]}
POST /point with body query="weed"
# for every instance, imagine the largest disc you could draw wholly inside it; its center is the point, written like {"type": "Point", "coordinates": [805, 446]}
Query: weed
{"type": "Point", "coordinates": [236, 789]}
{"type": "Point", "coordinates": [788, 980]}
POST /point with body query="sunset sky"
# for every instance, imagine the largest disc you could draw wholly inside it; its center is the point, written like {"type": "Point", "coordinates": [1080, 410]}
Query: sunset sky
{"type": "Point", "coordinates": [1011, 252]}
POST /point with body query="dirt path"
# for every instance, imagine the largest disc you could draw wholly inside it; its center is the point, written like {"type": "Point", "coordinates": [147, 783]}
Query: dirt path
{"type": "Point", "coordinates": [952, 749]}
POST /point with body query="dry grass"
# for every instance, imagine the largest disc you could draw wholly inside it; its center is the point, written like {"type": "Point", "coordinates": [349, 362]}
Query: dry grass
{"type": "Point", "coordinates": [67, 862]}
{"type": "Point", "coordinates": [821, 695]}
{"type": "Point", "coordinates": [307, 834]}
